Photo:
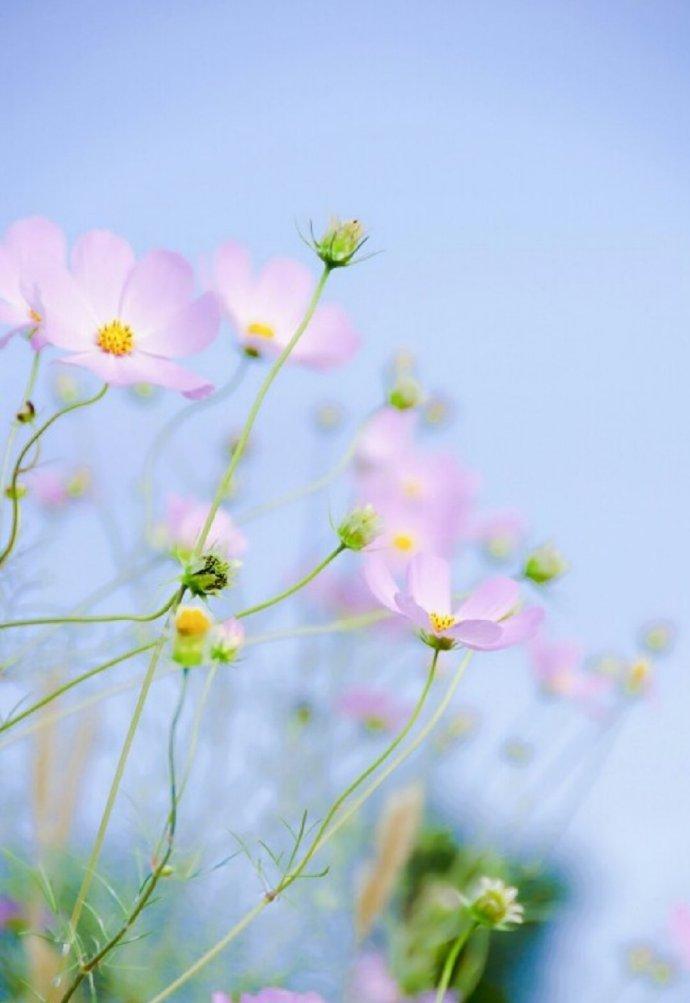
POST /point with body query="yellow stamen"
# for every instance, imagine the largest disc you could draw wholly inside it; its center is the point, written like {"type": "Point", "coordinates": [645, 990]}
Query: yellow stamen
{"type": "Point", "coordinates": [192, 622]}
{"type": "Point", "coordinates": [35, 317]}
{"type": "Point", "coordinates": [441, 621]}
{"type": "Point", "coordinates": [413, 489]}
{"type": "Point", "coordinates": [261, 330]}
{"type": "Point", "coordinates": [402, 541]}
{"type": "Point", "coordinates": [116, 338]}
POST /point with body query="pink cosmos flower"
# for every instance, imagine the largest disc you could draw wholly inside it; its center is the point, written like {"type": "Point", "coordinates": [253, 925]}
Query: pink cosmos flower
{"type": "Point", "coordinates": [377, 709]}
{"type": "Point", "coordinates": [125, 319]}
{"type": "Point", "coordinates": [31, 248]}
{"type": "Point", "coordinates": [373, 983]}
{"type": "Point", "coordinates": [385, 437]}
{"type": "Point", "coordinates": [281, 996]}
{"type": "Point", "coordinates": [486, 620]}
{"type": "Point", "coordinates": [501, 533]}
{"type": "Point", "coordinates": [53, 489]}
{"type": "Point", "coordinates": [267, 308]}
{"type": "Point", "coordinates": [184, 520]}
{"type": "Point", "coordinates": [679, 928]}
{"type": "Point", "coordinates": [557, 666]}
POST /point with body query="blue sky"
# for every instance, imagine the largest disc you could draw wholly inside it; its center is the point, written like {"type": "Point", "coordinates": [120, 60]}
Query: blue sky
{"type": "Point", "coordinates": [525, 169]}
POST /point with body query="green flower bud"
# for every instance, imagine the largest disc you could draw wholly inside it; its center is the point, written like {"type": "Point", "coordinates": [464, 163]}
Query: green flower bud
{"type": "Point", "coordinates": [495, 905]}
{"type": "Point", "coordinates": [26, 413]}
{"type": "Point", "coordinates": [209, 575]}
{"type": "Point", "coordinates": [15, 493]}
{"type": "Point", "coordinates": [545, 564]}
{"type": "Point", "coordinates": [406, 393]}
{"type": "Point", "coordinates": [360, 528]}
{"type": "Point", "coordinates": [340, 242]}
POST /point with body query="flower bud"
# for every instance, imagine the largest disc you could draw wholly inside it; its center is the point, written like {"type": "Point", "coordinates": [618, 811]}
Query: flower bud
{"type": "Point", "coordinates": [360, 528]}
{"type": "Point", "coordinates": [15, 493]}
{"type": "Point", "coordinates": [658, 636]}
{"type": "Point", "coordinates": [494, 904]}
{"type": "Point", "coordinates": [226, 640]}
{"type": "Point", "coordinates": [79, 483]}
{"type": "Point", "coordinates": [340, 242]}
{"type": "Point", "coordinates": [637, 677]}
{"type": "Point", "coordinates": [209, 574]}
{"type": "Point", "coordinates": [192, 625]}
{"type": "Point", "coordinates": [26, 413]}
{"type": "Point", "coordinates": [406, 393]}
{"type": "Point", "coordinates": [545, 564]}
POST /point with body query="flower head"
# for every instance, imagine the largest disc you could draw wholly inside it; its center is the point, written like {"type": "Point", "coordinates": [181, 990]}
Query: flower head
{"type": "Point", "coordinates": [226, 639]}
{"type": "Point", "coordinates": [125, 320]}
{"type": "Point", "coordinates": [545, 564]}
{"type": "Point", "coordinates": [266, 310]}
{"type": "Point", "coordinates": [360, 528]}
{"type": "Point", "coordinates": [494, 904]}
{"type": "Point", "coordinates": [378, 710]}
{"type": "Point", "coordinates": [500, 534]}
{"type": "Point", "coordinates": [340, 242]}
{"type": "Point", "coordinates": [486, 620]}
{"type": "Point", "coordinates": [31, 249]}
{"type": "Point", "coordinates": [192, 624]}
{"type": "Point", "coordinates": [53, 488]}
{"type": "Point", "coordinates": [208, 574]}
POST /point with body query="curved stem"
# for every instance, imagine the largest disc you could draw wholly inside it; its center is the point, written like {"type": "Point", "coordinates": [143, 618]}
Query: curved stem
{"type": "Point", "coordinates": [239, 449]}
{"type": "Point", "coordinates": [16, 425]}
{"type": "Point", "coordinates": [450, 962]}
{"type": "Point", "coordinates": [6, 725]}
{"type": "Point", "coordinates": [286, 593]}
{"type": "Point", "coordinates": [14, 529]}
{"type": "Point", "coordinates": [253, 913]}
{"type": "Point", "coordinates": [172, 426]}
{"type": "Point", "coordinates": [107, 618]}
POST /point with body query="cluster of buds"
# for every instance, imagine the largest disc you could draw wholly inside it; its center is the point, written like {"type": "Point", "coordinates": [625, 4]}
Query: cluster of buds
{"type": "Point", "coordinates": [360, 527]}
{"type": "Point", "coordinates": [209, 574]}
{"type": "Point", "coordinates": [494, 904]}
{"type": "Point", "coordinates": [198, 639]}
{"type": "Point", "coordinates": [545, 564]}
{"type": "Point", "coordinates": [340, 242]}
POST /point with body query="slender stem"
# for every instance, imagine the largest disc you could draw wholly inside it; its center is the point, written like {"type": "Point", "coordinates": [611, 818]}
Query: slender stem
{"type": "Point", "coordinates": [6, 725]}
{"type": "Point", "coordinates": [239, 449]}
{"type": "Point", "coordinates": [14, 529]}
{"type": "Point", "coordinates": [106, 618]}
{"type": "Point", "coordinates": [16, 425]}
{"type": "Point", "coordinates": [286, 593]}
{"type": "Point", "coordinates": [117, 779]}
{"type": "Point", "coordinates": [450, 962]}
{"type": "Point", "coordinates": [252, 914]}
{"type": "Point", "coordinates": [172, 426]}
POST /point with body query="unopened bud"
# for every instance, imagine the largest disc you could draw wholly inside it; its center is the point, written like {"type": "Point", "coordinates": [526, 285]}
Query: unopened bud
{"type": "Point", "coordinates": [226, 640]}
{"type": "Point", "coordinates": [494, 904]}
{"type": "Point", "coordinates": [545, 564]}
{"type": "Point", "coordinates": [192, 625]}
{"type": "Point", "coordinates": [406, 393]}
{"type": "Point", "coordinates": [340, 242]}
{"type": "Point", "coordinates": [16, 492]}
{"type": "Point", "coordinates": [360, 528]}
{"type": "Point", "coordinates": [26, 413]}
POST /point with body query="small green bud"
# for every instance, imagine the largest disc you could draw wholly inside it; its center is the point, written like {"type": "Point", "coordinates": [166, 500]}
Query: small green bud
{"type": "Point", "coordinates": [545, 564]}
{"type": "Point", "coordinates": [209, 575]}
{"type": "Point", "coordinates": [360, 528]}
{"type": "Point", "coordinates": [15, 493]}
{"type": "Point", "coordinates": [494, 904]}
{"type": "Point", "coordinates": [26, 413]}
{"type": "Point", "coordinates": [167, 870]}
{"type": "Point", "coordinates": [340, 242]}
{"type": "Point", "coordinates": [406, 393]}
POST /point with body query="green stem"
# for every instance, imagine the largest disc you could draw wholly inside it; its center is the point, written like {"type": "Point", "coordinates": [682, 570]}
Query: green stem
{"type": "Point", "coordinates": [14, 529]}
{"type": "Point", "coordinates": [253, 913]}
{"type": "Point", "coordinates": [450, 962]}
{"type": "Point", "coordinates": [107, 618]}
{"type": "Point", "coordinates": [16, 425]}
{"type": "Point", "coordinates": [239, 449]}
{"type": "Point", "coordinates": [6, 725]}
{"type": "Point", "coordinates": [286, 593]}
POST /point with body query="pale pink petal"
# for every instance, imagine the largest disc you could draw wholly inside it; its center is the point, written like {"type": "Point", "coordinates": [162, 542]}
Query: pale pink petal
{"type": "Point", "coordinates": [158, 287]}
{"type": "Point", "coordinates": [126, 370]}
{"type": "Point", "coordinates": [518, 628]}
{"type": "Point", "coordinates": [381, 582]}
{"type": "Point", "coordinates": [412, 610]}
{"type": "Point", "coordinates": [282, 292]}
{"type": "Point", "coordinates": [35, 243]}
{"type": "Point", "coordinates": [428, 582]}
{"type": "Point", "coordinates": [9, 278]}
{"type": "Point", "coordinates": [492, 600]}
{"type": "Point", "coordinates": [479, 634]}
{"type": "Point", "coordinates": [69, 320]}
{"type": "Point", "coordinates": [232, 280]}
{"type": "Point", "coordinates": [109, 368]}
{"type": "Point", "coordinates": [329, 341]}
{"type": "Point", "coordinates": [189, 331]}
{"type": "Point", "coordinates": [101, 262]}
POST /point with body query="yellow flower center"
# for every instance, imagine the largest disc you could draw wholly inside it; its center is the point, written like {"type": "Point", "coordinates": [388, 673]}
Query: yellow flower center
{"type": "Point", "coordinates": [115, 338]}
{"type": "Point", "coordinates": [192, 622]}
{"type": "Point", "coordinates": [412, 488]}
{"type": "Point", "coordinates": [35, 316]}
{"type": "Point", "coordinates": [261, 330]}
{"type": "Point", "coordinates": [441, 622]}
{"type": "Point", "coordinates": [403, 542]}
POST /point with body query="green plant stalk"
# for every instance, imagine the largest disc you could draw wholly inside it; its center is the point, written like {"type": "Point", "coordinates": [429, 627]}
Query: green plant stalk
{"type": "Point", "coordinates": [14, 529]}
{"type": "Point", "coordinates": [451, 958]}
{"type": "Point", "coordinates": [286, 593]}
{"type": "Point", "coordinates": [354, 807]}
{"type": "Point", "coordinates": [239, 449]}
{"type": "Point", "coordinates": [106, 618]}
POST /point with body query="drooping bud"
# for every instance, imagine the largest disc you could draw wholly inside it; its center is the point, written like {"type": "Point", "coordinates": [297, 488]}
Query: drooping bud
{"type": "Point", "coordinates": [226, 639]}
{"type": "Point", "coordinates": [15, 493]}
{"type": "Point", "coordinates": [545, 564]}
{"type": "Point", "coordinates": [26, 413]}
{"type": "Point", "coordinates": [494, 904]}
{"type": "Point", "coordinates": [406, 393]}
{"type": "Point", "coordinates": [209, 574]}
{"type": "Point", "coordinates": [192, 625]}
{"type": "Point", "coordinates": [340, 242]}
{"type": "Point", "coordinates": [360, 527]}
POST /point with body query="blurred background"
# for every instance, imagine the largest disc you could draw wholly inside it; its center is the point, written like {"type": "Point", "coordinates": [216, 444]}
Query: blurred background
{"type": "Point", "coordinates": [524, 170]}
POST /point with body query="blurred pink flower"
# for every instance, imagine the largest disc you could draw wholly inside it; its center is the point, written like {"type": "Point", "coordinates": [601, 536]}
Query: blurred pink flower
{"type": "Point", "coordinates": [219, 997]}
{"type": "Point", "coordinates": [679, 928]}
{"type": "Point", "coordinates": [372, 982]}
{"type": "Point", "coordinates": [557, 666]}
{"type": "Point", "coordinates": [281, 996]}
{"type": "Point", "coordinates": [407, 531]}
{"type": "Point", "coordinates": [54, 488]}
{"type": "Point", "coordinates": [9, 911]}
{"type": "Point", "coordinates": [184, 520]}
{"type": "Point", "coordinates": [266, 309]}
{"type": "Point", "coordinates": [125, 319]}
{"type": "Point", "coordinates": [31, 248]}
{"type": "Point", "coordinates": [377, 709]}
{"type": "Point", "coordinates": [485, 620]}
{"type": "Point", "coordinates": [501, 533]}
{"type": "Point", "coordinates": [385, 437]}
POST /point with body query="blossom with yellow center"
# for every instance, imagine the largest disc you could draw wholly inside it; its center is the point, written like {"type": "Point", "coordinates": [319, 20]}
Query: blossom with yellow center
{"type": "Point", "coordinates": [191, 621]}
{"type": "Point", "coordinates": [403, 542]}
{"type": "Point", "coordinates": [260, 330]}
{"type": "Point", "coordinates": [116, 338]}
{"type": "Point", "coordinates": [441, 622]}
